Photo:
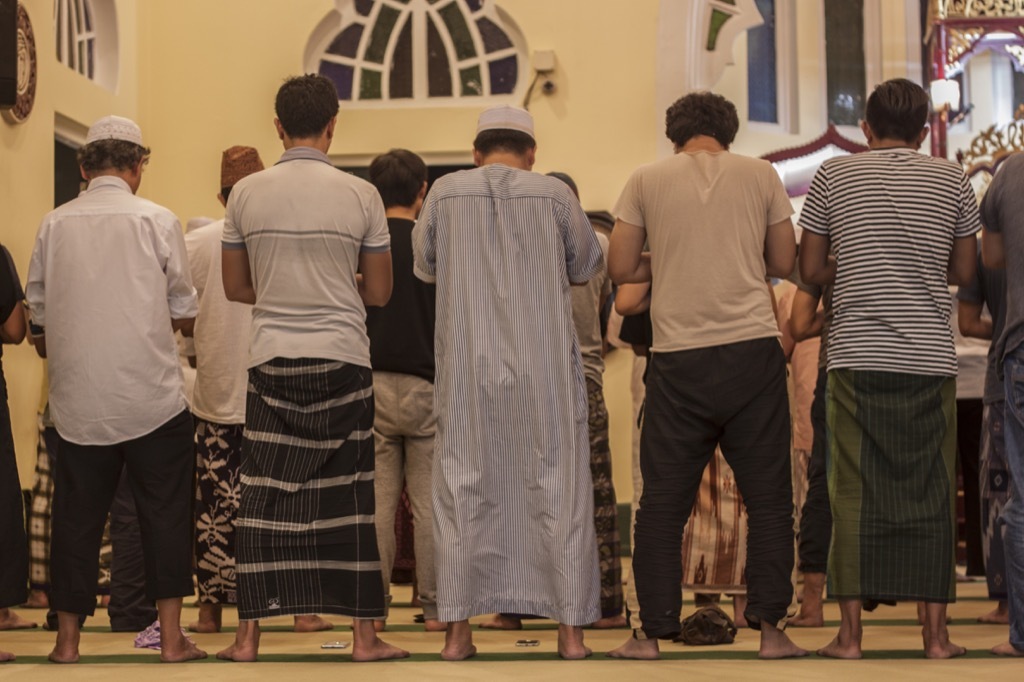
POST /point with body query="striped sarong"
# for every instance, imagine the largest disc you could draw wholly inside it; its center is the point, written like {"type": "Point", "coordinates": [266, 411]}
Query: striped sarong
{"type": "Point", "coordinates": [892, 453]}
{"type": "Point", "coordinates": [306, 538]}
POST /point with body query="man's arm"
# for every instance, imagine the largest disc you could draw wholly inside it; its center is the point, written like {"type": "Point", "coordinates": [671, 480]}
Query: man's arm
{"type": "Point", "coordinates": [185, 325]}
{"type": "Point", "coordinates": [780, 249]}
{"type": "Point", "coordinates": [970, 321]}
{"type": "Point", "coordinates": [237, 277]}
{"type": "Point", "coordinates": [13, 329]}
{"type": "Point", "coordinates": [805, 320]}
{"type": "Point", "coordinates": [633, 299]}
{"type": "Point", "coordinates": [816, 265]}
{"type": "Point", "coordinates": [627, 262]}
{"type": "Point", "coordinates": [963, 260]}
{"type": "Point", "coordinates": [992, 253]}
{"type": "Point", "coordinates": [376, 281]}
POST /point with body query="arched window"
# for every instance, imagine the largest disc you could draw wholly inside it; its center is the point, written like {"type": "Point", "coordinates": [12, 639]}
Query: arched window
{"type": "Point", "coordinates": [425, 50]}
{"type": "Point", "coordinates": [85, 32]}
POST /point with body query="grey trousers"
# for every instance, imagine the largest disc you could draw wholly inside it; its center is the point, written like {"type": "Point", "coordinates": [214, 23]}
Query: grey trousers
{"type": "Point", "coordinates": [403, 431]}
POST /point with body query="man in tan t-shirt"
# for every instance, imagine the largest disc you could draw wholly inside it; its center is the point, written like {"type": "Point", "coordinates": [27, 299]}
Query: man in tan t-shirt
{"type": "Point", "coordinates": [719, 224]}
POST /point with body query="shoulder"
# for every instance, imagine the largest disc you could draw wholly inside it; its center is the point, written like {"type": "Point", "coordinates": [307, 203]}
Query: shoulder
{"type": "Point", "coordinates": [205, 235]}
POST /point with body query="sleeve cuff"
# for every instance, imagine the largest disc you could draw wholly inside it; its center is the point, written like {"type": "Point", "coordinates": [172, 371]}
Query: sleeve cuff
{"type": "Point", "coordinates": [423, 275]}
{"type": "Point", "coordinates": [183, 307]}
{"type": "Point", "coordinates": [233, 246]}
{"type": "Point", "coordinates": [386, 248]}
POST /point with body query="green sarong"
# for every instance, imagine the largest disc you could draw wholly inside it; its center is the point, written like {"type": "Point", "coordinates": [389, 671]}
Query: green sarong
{"type": "Point", "coordinates": [891, 482]}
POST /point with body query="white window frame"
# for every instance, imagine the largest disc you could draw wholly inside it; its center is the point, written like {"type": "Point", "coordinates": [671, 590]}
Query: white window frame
{"type": "Point", "coordinates": [787, 75]}
{"type": "Point", "coordinates": [68, 26]}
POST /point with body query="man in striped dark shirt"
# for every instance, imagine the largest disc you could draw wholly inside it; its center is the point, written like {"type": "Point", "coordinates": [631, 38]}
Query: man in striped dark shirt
{"type": "Point", "coordinates": [901, 226]}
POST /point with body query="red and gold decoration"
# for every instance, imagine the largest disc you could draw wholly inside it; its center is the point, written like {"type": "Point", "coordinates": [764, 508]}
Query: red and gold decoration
{"type": "Point", "coordinates": [27, 70]}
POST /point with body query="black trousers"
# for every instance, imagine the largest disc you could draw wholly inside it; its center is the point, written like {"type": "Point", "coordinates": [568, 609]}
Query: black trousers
{"type": "Point", "coordinates": [733, 396]}
{"type": "Point", "coordinates": [968, 448]}
{"type": "Point", "coordinates": [160, 467]}
{"type": "Point", "coordinates": [130, 610]}
{"type": "Point", "coordinates": [13, 542]}
{"type": "Point", "coordinates": [816, 517]}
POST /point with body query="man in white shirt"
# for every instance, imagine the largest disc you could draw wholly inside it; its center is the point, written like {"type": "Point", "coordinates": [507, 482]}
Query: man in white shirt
{"type": "Point", "coordinates": [109, 284]}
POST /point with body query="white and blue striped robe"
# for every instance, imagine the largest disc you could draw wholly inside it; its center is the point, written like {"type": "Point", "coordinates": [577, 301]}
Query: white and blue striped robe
{"type": "Point", "coordinates": [513, 497]}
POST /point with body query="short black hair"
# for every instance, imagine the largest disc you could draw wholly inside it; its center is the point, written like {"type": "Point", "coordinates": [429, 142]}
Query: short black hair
{"type": "Point", "coordinates": [306, 104]}
{"type": "Point", "coordinates": [226, 192]}
{"type": "Point", "coordinates": [897, 110]}
{"type": "Point", "coordinates": [104, 155]}
{"type": "Point", "coordinates": [503, 140]}
{"type": "Point", "coordinates": [702, 113]}
{"type": "Point", "coordinates": [567, 179]}
{"type": "Point", "coordinates": [398, 177]}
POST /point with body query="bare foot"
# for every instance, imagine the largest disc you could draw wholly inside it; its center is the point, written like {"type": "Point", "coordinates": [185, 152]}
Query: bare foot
{"type": "Point", "coordinates": [64, 652]}
{"type": "Point", "coordinates": [37, 599]}
{"type": "Point", "coordinates": [500, 622]}
{"type": "Point", "coordinates": [9, 620]}
{"type": "Point", "coordinates": [209, 619]}
{"type": "Point", "coordinates": [179, 650]}
{"type": "Point", "coordinates": [434, 625]}
{"type": "Point", "coordinates": [246, 646]}
{"type": "Point", "coordinates": [1007, 649]}
{"type": "Point", "coordinates": [610, 623]}
{"type": "Point", "coordinates": [776, 644]}
{"type": "Point", "coordinates": [637, 649]}
{"type": "Point", "coordinates": [1000, 615]}
{"type": "Point", "coordinates": [6, 657]}
{"type": "Point", "coordinates": [944, 650]}
{"type": "Point", "coordinates": [806, 620]}
{"type": "Point", "coordinates": [570, 643]}
{"type": "Point", "coordinates": [378, 650]}
{"type": "Point", "coordinates": [458, 642]}
{"type": "Point", "coordinates": [839, 649]}
{"type": "Point", "coordinates": [104, 600]}
{"type": "Point", "coordinates": [380, 625]}
{"type": "Point", "coordinates": [311, 624]}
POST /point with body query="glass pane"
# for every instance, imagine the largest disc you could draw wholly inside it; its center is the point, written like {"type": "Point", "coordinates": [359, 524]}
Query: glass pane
{"type": "Point", "coordinates": [347, 44]}
{"type": "Point", "coordinates": [762, 87]}
{"type": "Point", "coordinates": [844, 52]}
{"type": "Point", "coordinates": [718, 19]}
{"type": "Point", "coordinates": [438, 66]}
{"type": "Point", "coordinates": [91, 44]}
{"type": "Point", "coordinates": [504, 75]}
{"type": "Point", "coordinates": [386, 20]}
{"type": "Point", "coordinates": [364, 7]}
{"type": "Point", "coordinates": [494, 38]}
{"type": "Point", "coordinates": [87, 11]}
{"type": "Point", "coordinates": [459, 30]}
{"type": "Point", "coordinates": [474, 5]}
{"type": "Point", "coordinates": [400, 84]}
{"type": "Point", "coordinates": [342, 75]}
{"type": "Point", "coordinates": [471, 85]}
{"type": "Point", "coordinates": [369, 84]}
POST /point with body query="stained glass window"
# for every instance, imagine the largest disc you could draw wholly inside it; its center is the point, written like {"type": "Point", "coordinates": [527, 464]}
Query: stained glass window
{"type": "Point", "coordinates": [762, 70]}
{"type": "Point", "coordinates": [844, 52]}
{"type": "Point", "coordinates": [391, 50]}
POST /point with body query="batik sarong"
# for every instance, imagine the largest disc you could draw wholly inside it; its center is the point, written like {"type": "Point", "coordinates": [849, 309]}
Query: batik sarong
{"type": "Point", "coordinates": [892, 458]}
{"type": "Point", "coordinates": [306, 538]}
{"type": "Point", "coordinates": [218, 460]}
{"type": "Point", "coordinates": [606, 521]}
{"type": "Point", "coordinates": [995, 492]}
{"type": "Point", "coordinates": [715, 538]}
{"type": "Point", "coordinates": [39, 517]}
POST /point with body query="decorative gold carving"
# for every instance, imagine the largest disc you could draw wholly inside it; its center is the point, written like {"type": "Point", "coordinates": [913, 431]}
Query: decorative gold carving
{"type": "Point", "coordinates": [1017, 53]}
{"type": "Point", "coordinates": [969, 9]}
{"type": "Point", "coordinates": [962, 41]}
{"type": "Point", "coordinates": [990, 147]}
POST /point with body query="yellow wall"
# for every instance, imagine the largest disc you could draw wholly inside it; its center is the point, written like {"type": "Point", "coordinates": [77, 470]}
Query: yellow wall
{"type": "Point", "coordinates": [26, 183]}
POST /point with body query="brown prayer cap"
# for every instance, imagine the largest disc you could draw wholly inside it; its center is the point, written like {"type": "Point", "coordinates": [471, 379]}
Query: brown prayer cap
{"type": "Point", "coordinates": [237, 163]}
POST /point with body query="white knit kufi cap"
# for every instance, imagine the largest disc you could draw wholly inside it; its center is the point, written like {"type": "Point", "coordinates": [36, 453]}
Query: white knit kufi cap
{"type": "Point", "coordinates": [506, 118]}
{"type": "Point", "coordinates": [114, 128]}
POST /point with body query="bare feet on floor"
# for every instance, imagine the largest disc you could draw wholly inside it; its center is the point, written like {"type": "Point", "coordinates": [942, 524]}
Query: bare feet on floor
{"type": "Point", "coordinates": [610, 623]}
{"type": "Point", "coordinates": [941, 647]}
{"type": "Point", "coordinates": [6, 657]}
{"type": "Point", "coordinates": [378, 650]}
{"type": "Point", "coordinates": [1000, 615]}
{"type": "Point", "coordinates": [246, 646]}
{"type": "Point", "coordinates": [65, 650]}
{"type": "Point", "coordinates": [570, 643]}
{"type": "Point", "coordinates": [179, 649]}
{"type": "Point", "coordinates": [636, 649]}
{"type": "Point", "coordinates": [811, 610]}
{"type": "Point", "coordinates": [806, 620]}
{"type": "Point", "coordinates": [209, 620]}
{"type": "Point", "coordinates": [920, 614]}
{"type": "Point", "coordinates": [312, 624]}
{"type": "Point", "coordinates": [434, 625]}
{"type": "Point", "coordinates": [458, 642]}
{"type": "Point", "coordinates": [9, 620]}
{"type": "Point", "coordinates": [840, 647]}
{"type": "Point", "coordinates": [739, 605]}
{"type": "Point", "coordinates": [1007, 649]}
{"type": "Point", "coordinates": [500, 622]}
{"type": "Point", "coordinates": [776, 644]}
{"type": "Point", "coordinates": [37, 599]}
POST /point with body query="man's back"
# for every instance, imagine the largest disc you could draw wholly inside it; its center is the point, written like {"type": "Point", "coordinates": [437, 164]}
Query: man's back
{"type": "Point", "coordinates": [1003, 212]}
{"type": "Point", "coordinates": [706, 216]}
{"type": "Point", "coordinates": [304, 224]}
{"type": "Point", "coordinates": [115, 274]}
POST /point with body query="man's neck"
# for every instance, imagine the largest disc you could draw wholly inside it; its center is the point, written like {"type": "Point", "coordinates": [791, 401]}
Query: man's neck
{"type": "Point", "coordinates": [507, 159]}
{"type": "Point", "coordinates": [126, 176]}
{"type": "Point", "coordinates": [890, 143]}
{"type": "Point", "coordinates": [321, 143]}
{"type": "Point", "coordinates": [403, 212]}
{"type": "Point", "coordinates": [701, 143]}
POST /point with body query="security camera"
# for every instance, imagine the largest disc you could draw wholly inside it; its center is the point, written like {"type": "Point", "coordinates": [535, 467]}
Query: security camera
{"type": "Point", "coordinates": [549, 87]}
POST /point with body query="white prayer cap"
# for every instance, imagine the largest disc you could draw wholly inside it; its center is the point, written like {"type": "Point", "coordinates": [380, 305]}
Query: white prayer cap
{"type": "Point", "coordinates": [114, 128]}
{"type": "Point", "coordinates": [506, 118]}
{"type": "Point", "coordinates": [196, 223]}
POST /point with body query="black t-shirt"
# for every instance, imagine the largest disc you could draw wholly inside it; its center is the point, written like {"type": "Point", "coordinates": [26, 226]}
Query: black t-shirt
{"type": "Point", "coordinates": [402, 332]}
{"type": "Point", "coordinates": [10, 287]}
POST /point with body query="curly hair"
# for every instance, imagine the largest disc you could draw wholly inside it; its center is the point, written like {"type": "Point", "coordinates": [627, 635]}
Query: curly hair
{"type": "Point", "coordinates": [104, 155]}
{"type": "Point", "coordinates": [702, 113]}
{"type": "Point", "coordinates": [306, 104]}
{"type": "Point", "coordinates": [398, 176]}
{"type": "Point", "coordinates": [897, 110]}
